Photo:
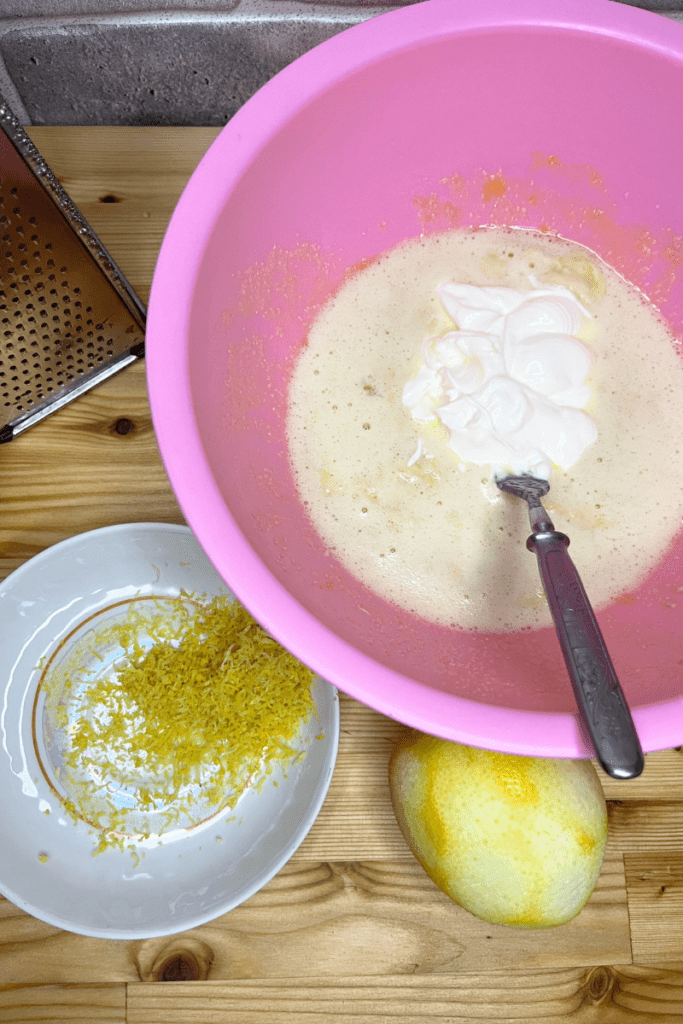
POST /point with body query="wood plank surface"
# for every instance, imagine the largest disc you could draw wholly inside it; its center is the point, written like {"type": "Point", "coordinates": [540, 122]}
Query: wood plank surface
{"type": "Point", "coordinates": [143, 175]}
{"type": "Point", "coordinates": [387, 917]}
{"type": "Point", "coordinates": [351, 929]}
{"type": "Point", "coordinates": [603, 996]}
{"type": "Point", "coordinates": [68, 1004]}
{"type": "Point", "coordinates": [655, 899]}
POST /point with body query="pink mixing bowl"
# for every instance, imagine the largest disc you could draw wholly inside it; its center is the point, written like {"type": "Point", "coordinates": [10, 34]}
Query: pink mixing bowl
{"type": "Point", "coordinates": [559, 116]}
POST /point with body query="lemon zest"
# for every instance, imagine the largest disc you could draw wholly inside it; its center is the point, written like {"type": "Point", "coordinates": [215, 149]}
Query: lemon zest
{"type": "Point", "coordinates": [214, 703]}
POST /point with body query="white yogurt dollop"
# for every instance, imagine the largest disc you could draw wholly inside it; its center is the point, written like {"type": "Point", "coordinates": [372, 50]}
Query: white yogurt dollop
{"type": "Point", "coordinates": [510, 384]}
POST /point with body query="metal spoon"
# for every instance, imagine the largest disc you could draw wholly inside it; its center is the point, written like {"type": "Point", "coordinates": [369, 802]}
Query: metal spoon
{"type": "Point", "coordinates": [590, 668]}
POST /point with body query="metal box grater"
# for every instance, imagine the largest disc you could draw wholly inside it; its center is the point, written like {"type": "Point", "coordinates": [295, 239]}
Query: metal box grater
{"type": "Point", "coordinates": [68, 317]}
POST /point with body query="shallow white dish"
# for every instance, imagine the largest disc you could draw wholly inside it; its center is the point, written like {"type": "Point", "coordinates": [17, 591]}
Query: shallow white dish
{"type": "Point", "coordinates": [47, 865]}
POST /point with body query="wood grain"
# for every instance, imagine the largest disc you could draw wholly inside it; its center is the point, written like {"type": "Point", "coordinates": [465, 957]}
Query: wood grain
{"type": "Point", "coordinates": [655, 900]}
{"type": "Point", "coordinates": [68, 1004]}
{"type": "Point", "coordinates": [390, 919]}
{"type": "Point", "coordinates": [352, 928]}
{"type": "Point", "coordinates": [73, 472]}
{"type": "Point", "coordinates": [601, 996]}
{"type": "Point", "coordinates": [143, 171]}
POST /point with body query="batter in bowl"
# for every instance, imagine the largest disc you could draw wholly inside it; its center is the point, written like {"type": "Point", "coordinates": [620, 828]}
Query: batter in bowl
{"type": "Point", "coordinates": [431, 532]}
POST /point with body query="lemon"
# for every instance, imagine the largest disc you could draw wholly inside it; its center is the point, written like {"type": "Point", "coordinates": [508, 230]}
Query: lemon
{"type": "Point", "coordinates": [515, 840]}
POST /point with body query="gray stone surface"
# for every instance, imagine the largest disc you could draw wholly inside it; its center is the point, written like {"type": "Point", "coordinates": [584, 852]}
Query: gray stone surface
{"type": "Point", "coordinates": [62, 8]}
{"type": "Point", "coordinates": [172, 69]}
{"type": "Point", "coordinates": [165, 62]}
{"type": "Point", "coordinates": [10, 95]}
{"type": "Point", "coordinates": [662, 6]}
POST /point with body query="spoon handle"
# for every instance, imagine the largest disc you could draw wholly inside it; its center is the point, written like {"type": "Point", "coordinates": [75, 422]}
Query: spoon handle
{"type": "Point", "coordinates": [590, 668]}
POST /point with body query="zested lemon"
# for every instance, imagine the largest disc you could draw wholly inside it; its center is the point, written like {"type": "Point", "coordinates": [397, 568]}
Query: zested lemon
{"type": "Point", "coordinates": [515, 840]}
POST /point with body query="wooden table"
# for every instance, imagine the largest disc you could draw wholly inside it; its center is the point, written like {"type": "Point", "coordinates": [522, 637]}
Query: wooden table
{"type": "Point", "coordinates": [351, 930]}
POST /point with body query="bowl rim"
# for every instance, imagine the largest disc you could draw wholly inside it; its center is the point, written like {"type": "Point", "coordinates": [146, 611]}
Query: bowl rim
{"type": "Point", "coordinates": [216, 176]}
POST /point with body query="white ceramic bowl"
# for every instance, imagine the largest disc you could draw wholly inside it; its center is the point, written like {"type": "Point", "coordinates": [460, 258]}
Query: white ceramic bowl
{"type": "Point", "coordinates": [47, 865]}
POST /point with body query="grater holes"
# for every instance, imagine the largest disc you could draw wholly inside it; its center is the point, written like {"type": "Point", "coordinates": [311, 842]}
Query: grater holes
{"type": "Point", "coordinates": [43, 312]}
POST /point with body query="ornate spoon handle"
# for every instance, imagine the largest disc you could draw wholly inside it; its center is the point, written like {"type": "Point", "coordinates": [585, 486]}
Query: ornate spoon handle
{"type": "Point", "coordinates": [590, 668]}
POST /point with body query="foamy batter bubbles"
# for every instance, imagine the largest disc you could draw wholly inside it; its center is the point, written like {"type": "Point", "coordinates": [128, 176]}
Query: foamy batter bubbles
{"type": "Point", "coordinates": [425, 529]}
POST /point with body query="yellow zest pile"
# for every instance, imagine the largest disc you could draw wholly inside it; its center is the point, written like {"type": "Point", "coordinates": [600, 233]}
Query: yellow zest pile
{"type": "Point", "coordinates": [186, 723]}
